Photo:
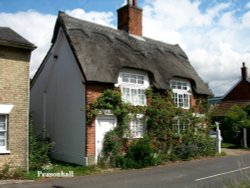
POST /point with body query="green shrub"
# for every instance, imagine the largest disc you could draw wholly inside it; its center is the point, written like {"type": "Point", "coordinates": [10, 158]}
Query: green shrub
{"type": "Point", "coordinates": [38, 150]}
{"type": "Point", "coordinates": [140, 154]}
{"type": "Point", "coordinates": [7, 173]}
{"type": "Point", "coordinates": [18, 173]}
{"type": "Point", "coordinates": [194, 145]}
{"type": "Point", "coordinates": [111, 148]}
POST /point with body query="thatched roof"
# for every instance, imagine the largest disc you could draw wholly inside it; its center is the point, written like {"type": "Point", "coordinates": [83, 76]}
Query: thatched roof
{"type": "Point", "coordinates": [102, 52]}
{"type": "Point", "coordinates": [8, 37]}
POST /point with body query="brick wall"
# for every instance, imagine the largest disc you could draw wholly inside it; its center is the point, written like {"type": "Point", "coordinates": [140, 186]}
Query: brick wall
{"type": "Point", "coordinates": [130, 19]}
{"type": "Point", "coordinates": [14, 89]}
{"type": "Point", "coordinates": [93, 91]}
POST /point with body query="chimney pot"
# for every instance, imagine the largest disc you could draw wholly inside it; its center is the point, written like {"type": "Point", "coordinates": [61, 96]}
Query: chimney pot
{"type": "Point", "coordinates": [244, 72]}
{"type": "Point", "coordinates": [135, 3]}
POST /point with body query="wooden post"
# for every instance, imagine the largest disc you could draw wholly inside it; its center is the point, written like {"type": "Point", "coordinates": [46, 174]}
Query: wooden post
{"type": "Point", "coordinates": [245, 137]}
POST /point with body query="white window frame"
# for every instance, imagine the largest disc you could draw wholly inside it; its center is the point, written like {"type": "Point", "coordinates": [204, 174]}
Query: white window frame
{"type": "Point", "coordinates": [135, 96]}
{"type": "Point", "coordinates": [5, 110]}
{"type": "Point", "coordinates": [134, 81]}
{"type": "Point", "coordinates": [133, 84]}
{"type": "Point", "coordinates": [137, 126]}
{"type": "Point", "coordinates": [3, 124]}
{"type": "Point", "coordinates": [181, 93]}
{"type": "Point", "coordinates": [179, 125]}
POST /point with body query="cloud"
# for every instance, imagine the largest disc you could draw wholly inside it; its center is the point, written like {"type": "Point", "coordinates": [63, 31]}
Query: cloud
{"type": "Point", "coordinates": [102, 18]}
{"type": "Point", "coordinates": [215, 40]}
{"type": "Point", "coordinates": [35, 27]}
{"type": "Point", "coordinates": [38, 28]}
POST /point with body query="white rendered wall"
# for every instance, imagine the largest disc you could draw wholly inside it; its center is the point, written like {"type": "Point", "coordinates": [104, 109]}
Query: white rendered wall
{"type": "Point", "coordinates": [58, 101]}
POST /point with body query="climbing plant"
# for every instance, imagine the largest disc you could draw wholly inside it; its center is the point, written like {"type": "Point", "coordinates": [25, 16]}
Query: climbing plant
{"type": "Point", "coordinates": [161, 139]}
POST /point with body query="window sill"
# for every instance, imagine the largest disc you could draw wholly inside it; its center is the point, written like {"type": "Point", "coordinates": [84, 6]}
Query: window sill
{"type": "Point", "coordinates": [4, 152]}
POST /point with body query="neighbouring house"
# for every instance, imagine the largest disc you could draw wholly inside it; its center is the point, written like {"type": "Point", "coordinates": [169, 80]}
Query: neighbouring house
{"type": "Point", "coordinates": [15, 52]}
{"type": "Point", "coordinates": [239, 94]}
{"type": "Point", "coordinates": [84, 60]}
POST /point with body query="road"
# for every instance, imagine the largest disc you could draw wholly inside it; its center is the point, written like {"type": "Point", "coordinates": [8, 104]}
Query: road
{"type": "Point", "coordinates": [215, 172]}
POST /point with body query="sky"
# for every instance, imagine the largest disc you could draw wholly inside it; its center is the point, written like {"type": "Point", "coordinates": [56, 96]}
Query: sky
{"type": "Point", "coordinates": [215, 34]}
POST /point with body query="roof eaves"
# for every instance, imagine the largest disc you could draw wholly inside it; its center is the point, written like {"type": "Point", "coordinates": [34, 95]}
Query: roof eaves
{"type": "Point", "coordinates": [17, 45]}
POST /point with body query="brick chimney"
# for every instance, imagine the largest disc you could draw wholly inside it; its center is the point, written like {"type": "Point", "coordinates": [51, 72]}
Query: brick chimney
{"type": "Point", "coordinates": [243, 72]}
{"type": "Point", "coordinates": [130, 18]}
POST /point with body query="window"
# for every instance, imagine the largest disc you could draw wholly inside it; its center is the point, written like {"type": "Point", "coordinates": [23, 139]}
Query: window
{"type": "Point", "coordinates": [132, 78]}
{"type": "Point", "coordinates": [181, 100]}
{"type": "Point", "coordinates": [179, 125]}
{"type": "Point", "coordinates": [5, 110]}
{"type": "Point", "coordinates": [3, 133]}
{"type": "Point", "coordinates": [181, 93]}
{"type": "Point", "coordinates": [137, 127]}
{"type": "Point", "coordinates": [134, 96]}
{"type": "Point", "coordinates": [133, 85]}
{"type": "Point", "coordinates": [179, 85]}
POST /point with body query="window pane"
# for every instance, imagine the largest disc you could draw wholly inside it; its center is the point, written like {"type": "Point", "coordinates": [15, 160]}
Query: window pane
{"type": "Point", "coordinates": [175, 99]}
{"type": "Point", "coordinates": [173, 84]}
{"type": "Point", "coordinates": [133, 78]}
{"type": "Point", "coordinates": [184, 86]}
{"type": "Point", "coordinates": [176, 126]}
{"type": "Point", "coordinates": [186, 100]}
{"type": "Point", "coordinates": [2, 118]}
{"type": "Point", "coordinates": [180, 101]}
{"type": "Point", "coordinates": [2, 142]}
{"type": "Point", "coordinates": [2, 135]}
{"type": "Point", "coordinates": [142, 97]}
{"type": "Point", "coordinates": [178, 85]}
{"type": "Point", "coordinates": [2, 127]}
{"type": "Point", "coordinates": [137, 128]}
{"type": "Point", "coordinates": [134, 97]}
{"type": "Point", "coordinates": [126, 94]}
{"type": "Point", "coordinates": [125, 77]}
{"type": "Point", "coordinates": [140, 79]}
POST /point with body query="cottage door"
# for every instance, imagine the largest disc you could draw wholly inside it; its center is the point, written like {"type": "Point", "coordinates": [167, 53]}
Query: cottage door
{"type": "Point", "coordinates": [103, 125]}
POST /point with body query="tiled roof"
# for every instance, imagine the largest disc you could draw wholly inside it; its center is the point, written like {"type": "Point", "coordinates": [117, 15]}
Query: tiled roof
{"type": "Point", "coordinates": [222, 108]}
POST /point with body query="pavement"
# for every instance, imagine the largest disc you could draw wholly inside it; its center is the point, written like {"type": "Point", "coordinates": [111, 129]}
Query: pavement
{"type": "Point", "coordinates": [235, 152]}
{"type": "Point", "coordinates": [229, 152]}
{"type": "Point", "coordinates": [6, 182]}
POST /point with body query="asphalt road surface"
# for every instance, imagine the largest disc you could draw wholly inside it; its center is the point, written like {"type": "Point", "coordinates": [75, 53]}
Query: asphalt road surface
{"type": "Point", "coordinates": [217, 172]}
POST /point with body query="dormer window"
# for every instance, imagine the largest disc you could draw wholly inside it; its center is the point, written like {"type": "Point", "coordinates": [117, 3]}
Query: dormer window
{"type": "Point", "coordinates": [132, 78]}
{"type": "Point", "coordinates": [133, 85]}
{"type": "Point", "coordinates": [181, 91]}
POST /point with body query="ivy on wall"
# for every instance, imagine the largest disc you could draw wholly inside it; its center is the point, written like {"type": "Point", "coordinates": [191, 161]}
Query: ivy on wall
{"type": "Point", "coordinates": [161, 142]}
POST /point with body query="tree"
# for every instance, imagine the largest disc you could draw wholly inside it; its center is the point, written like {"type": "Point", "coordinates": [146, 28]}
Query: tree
{"type": "Point", "coordinates": [238, 119]}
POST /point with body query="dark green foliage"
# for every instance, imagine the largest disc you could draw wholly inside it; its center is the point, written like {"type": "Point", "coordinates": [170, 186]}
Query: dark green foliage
{"type": "Point", "coordinates": [140, 154]}
{"type": "Point", "coordinates": [112, 147]}
{"type": "Point", "coordinates": [233, 122]}
{"type": "Point", "coordinates": [237, 117]}
{"type": "Point", "coordinates": [193, 146]}
{"type": "Point", "coordinates": [38, 150]}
